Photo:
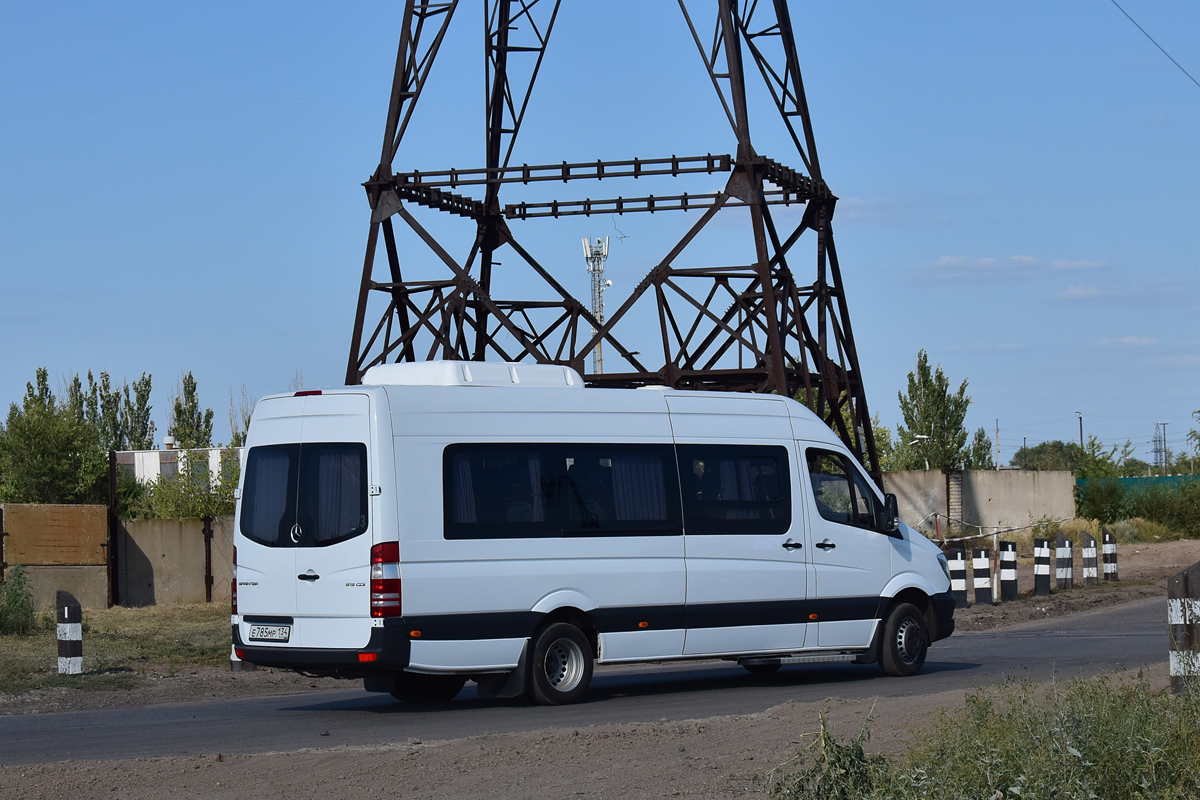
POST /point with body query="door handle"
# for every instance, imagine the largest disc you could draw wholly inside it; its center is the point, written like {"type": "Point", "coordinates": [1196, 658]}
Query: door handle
{"type": "Point", "coordinates": [790, 545]}
{"type": "Point", "coordinates": [826, 545]}
{"type": "Point", "coordinates": [308, 576]}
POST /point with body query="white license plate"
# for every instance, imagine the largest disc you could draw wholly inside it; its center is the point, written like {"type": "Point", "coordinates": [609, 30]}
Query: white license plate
{"type": "Point", "coordinates": [270, 633]}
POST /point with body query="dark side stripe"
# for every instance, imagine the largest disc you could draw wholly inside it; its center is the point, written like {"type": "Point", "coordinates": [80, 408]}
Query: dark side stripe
{"type": "Point", "coordinates": [521, 624]}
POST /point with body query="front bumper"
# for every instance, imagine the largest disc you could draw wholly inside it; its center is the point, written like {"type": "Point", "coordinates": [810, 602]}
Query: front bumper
{"type": "Point", "coordinates": [942, 606]}
{"type": "Point", "coordinates": [390, 645]}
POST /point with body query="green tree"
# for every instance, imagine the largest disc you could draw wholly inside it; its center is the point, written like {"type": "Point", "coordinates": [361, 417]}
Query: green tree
{"type": "Point", "coordinates": [49, 451]}
{"type": "Point", "coordinates": [933, 430]}
{"type": "Point", "coordinates": [136, 424]}
{"type": "Point", "coordinates": [979, 455]}
{"type": "Point", "coordinates": [1054, 455]}
{"type": "Point", "coordinates": [190, 426]}
{"type": "Point", "coordinates": [194, 492]}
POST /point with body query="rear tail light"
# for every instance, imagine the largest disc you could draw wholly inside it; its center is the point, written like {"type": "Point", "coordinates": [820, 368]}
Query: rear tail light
{"type": "Point", "coordinates": [385, 580]}
{"type": "Point", "coordinates": [233, 583]}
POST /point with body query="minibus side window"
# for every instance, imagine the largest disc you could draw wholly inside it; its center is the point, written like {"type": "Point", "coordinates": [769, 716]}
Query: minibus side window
{"type": "Point", "coordinates": [516, 491]}
{"type": "Point", "coordinates": [840, 492]}
{"type": "Point", "coordinates": [735, 489]}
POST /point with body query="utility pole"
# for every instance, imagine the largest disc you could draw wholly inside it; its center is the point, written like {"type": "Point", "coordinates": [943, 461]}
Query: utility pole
{"type": "Point", "coordinates": [997, 444]}
{"type": "Point", "coordinates": [1080, 415]}
{"type": "Point", "coordinates": [596, 255]}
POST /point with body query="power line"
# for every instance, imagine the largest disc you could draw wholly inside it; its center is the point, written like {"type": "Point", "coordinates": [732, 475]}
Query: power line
{"type": "Point", "coordinates": [1156, 44]}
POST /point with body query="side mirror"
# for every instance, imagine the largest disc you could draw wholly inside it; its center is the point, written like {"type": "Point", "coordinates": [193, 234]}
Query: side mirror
{"type": "Point", "coordinates": [891, 516]}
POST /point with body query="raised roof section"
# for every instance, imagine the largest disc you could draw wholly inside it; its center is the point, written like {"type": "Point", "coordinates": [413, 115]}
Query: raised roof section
{"type": "Point", "coordinates": [473, 373]}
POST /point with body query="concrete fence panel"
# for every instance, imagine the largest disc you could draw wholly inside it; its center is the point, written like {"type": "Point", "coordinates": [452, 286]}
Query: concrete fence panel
{"type": "Point", "coordinates": [61, 547]}
{"type": "Point", "coordinates": [165, 561]}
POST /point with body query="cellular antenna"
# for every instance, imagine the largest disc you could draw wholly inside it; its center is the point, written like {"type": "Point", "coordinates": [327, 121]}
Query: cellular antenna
{"type": "Point", "coordinates": [596, 254]}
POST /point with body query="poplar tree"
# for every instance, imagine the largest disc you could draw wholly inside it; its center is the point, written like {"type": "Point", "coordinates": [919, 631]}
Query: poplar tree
{"type": "Point", "coordinates": [933, 432]}
{"type": "Point", "coordinates": [190, 426]}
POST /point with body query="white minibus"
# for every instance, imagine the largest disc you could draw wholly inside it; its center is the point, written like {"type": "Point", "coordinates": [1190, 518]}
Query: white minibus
{"type": "Point", "coordinates": [501, 523]}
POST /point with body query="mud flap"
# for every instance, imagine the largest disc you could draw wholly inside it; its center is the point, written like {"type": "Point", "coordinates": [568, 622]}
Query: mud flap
{"type": "Point", "coordinates": [871, 654]}
{"type": "Point", "coordinates": [503, 685]}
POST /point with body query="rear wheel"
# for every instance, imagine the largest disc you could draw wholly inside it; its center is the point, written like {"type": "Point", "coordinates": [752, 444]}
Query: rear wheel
{"type": "Point", "coordinates": [561, 667]}
{"type": "Point", "coordinates": [905, 641]}
{"type": "Point", "coordinates": [414, 687]}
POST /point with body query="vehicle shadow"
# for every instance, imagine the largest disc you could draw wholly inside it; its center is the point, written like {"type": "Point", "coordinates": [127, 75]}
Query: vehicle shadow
{"type": "Point", "coordinates": [616, 684]}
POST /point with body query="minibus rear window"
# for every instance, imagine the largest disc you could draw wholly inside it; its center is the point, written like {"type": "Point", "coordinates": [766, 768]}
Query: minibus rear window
{"type": "Point", "coordinates": [507, 491]}
{"type": "Point", "coordinates": [306, 495]}
{"type": "Point", "coordinates": [735, 489]}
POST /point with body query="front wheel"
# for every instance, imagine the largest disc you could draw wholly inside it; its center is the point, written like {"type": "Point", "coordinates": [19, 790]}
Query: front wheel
{"type": "Point", "coordinates": [905, 641]}
{"type": "Point", "coordinates": [561, 667]}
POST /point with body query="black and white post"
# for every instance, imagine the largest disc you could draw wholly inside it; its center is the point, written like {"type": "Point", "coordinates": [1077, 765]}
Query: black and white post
{"type": "Point", "coordinates": [1183, 620]}
{"type": "Point", "coordinates": [1041, 567]}
{"type": "Point", "coordinates": [1091, 565]}
{"type": "Point", "coordinates": [1064, 563]}
{"type": "Point", "coordinates": [981, 567]}
{"type": "Point", "coordinates": [70, 634]}
{"type": "Point", "coordinates": [957, 560]}
{"type": "Point", "coordinates": [1110, 555]}
{"type": "Point", "coordinates": [1008, 571]}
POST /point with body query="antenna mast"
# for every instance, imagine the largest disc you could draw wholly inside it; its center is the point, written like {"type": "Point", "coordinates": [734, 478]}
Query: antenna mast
{"type": "Point", "coordinates": [595, 254]}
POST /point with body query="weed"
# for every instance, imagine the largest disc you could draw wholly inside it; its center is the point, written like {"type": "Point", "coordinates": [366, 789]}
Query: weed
{"type": "Point", "coordinates": [1089, 738]}
{"type": "Point", "coordinates": [16, 603]}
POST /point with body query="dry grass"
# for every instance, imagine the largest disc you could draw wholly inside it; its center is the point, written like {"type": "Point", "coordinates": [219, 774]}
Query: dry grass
{"type": "Point", "coordinates": [117, 643]}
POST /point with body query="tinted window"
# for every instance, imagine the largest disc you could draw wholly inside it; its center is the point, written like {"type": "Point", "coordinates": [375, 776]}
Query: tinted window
{"type": "Point", "coordinates": [318, 490]}
{"type": "Point", "coordinates": [539, 490]}
{"type": "Point", "coordinates": [840, 491]}
{"type": "Point", "coordinates": [735, 489]}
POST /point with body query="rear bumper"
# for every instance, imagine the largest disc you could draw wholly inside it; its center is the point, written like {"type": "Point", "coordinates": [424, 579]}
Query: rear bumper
{"type": "Point", "coordinates": [943, 615]}
{"type": "Point", "coordinates": [390, 645]}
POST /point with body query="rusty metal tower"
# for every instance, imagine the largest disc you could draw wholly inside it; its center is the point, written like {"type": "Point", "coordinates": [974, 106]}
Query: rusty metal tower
{"type": "Point", "coordinates": [750, 326]}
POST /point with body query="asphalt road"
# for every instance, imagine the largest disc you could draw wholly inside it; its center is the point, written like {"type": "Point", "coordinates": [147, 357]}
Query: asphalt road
{"type": "Point", "coordinates": [1130, 636]}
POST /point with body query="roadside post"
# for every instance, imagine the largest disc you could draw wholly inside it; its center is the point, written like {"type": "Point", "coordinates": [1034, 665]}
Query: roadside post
{"type": "Point", "coordinates": [1064, 563]}
{"type": "Point", "coordinates": [70, 634]}
{"type": "Point", "coordinates": [1087, 550]}
{"type": "Point", "coordinates": [957, 561]}
{"type": "Point", "coordinates": [1041, 567]}
{"type": "Point", "coordinates": [1110, 555]}
{"type": "Point", "coordinates": [1008, 571]}
{"type": "Point", "coordinates": [1183, 619]}
{"type": "Point", "coordinates": [981, 565]}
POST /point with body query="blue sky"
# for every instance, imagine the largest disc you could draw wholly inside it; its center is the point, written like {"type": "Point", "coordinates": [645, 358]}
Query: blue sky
{"type": "Point", "coordinates": [179, 188]}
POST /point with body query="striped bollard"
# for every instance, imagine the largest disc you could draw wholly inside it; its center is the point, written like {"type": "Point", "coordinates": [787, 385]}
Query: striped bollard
{"type": "Point", "coordinates": [981, 565]}
{"type": "Point", "coordinates": [1041, 567]}
{"type": "Point", "coordinates": [70, 634]}
{"type": "Point", "coordinates": [1008, 571]}
{"type": "Point", "coordinates": [1110, 555]}
{"type": "Point", "coordinates": [1091, 570]}
{"type": "Point", "coordinates": [1064, 563]}
{"type": "Point", "coordinates": [958, 577]}
{"type": "Point", "coordinates": [1183, 619]}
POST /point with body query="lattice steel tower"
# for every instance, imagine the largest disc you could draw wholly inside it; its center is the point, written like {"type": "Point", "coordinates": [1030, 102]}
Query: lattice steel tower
{"type": "Point", "coordinates": [796, 336]}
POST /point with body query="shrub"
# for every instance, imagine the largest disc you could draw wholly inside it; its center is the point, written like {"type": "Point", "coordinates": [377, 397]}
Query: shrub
{"type": "Point", "coordinates": [1138, 530]}
{"type": "Point", "coordinates": [1092, 738]}
{"type": "Point", "coordinates": [16, 603]}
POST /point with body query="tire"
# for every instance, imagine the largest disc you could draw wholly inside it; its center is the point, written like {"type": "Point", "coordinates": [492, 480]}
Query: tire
{"type": "Point", "coordinates": [762, 669]}
{"type": "Point", "coordinates": [561, 667]}
{"type": "Point", "coordinates": [414, 687]}
{"type": "Point", "coordinates": [905, 641]}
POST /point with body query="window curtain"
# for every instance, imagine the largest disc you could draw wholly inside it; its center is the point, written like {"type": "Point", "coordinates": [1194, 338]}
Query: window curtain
{"type": "Point", "coordinates": [268, 493]}
{"type": "Point", "coordinates": [339, 492]}
{"type": "Point", "coordinates": [464, 490]}
{"type": "Point", "coordinates": [638, 488]}
{"type": "Point", "coordinates": [535, 486]}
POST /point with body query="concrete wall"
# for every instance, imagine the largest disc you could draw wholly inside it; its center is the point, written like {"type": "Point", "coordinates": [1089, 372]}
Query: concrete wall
{"type": "Point", "coordinates": [162, 561]}
{"type": "Point", "coordinates": [990, 498]}
{"type": "Point", "coordinates": [1013, 498]}
{"type": "Point", "coordinates": [89, 584]}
